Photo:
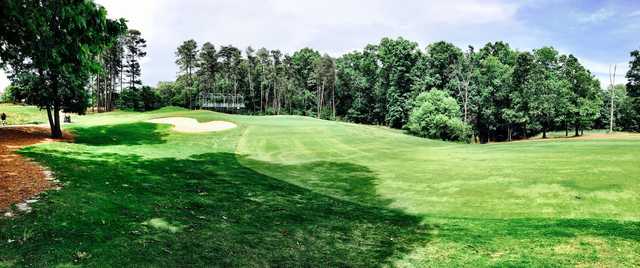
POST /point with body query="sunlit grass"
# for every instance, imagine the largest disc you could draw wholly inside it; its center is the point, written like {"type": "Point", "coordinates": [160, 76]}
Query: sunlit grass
{"type": "Point", "coordinates": [296, 191]}
{"type": "Point", "coordinates": [18, 114]}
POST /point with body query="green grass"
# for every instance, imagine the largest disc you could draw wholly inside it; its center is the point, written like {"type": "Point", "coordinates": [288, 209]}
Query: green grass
{"type": "Point", "coordinates": [18, 114]}
{"type": "Point", "coordinates": [294, 191]}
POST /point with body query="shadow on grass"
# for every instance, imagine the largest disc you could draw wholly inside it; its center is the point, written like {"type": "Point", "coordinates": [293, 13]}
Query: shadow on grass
{"type": "Point", "coordinates": [478, 231]}
{"type": "Point", "coordinates": [121, 134]}
{"type": "Point", "coordinates": [206, 210]}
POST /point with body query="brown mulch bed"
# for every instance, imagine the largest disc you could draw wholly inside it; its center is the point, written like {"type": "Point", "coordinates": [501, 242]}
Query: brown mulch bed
{"type": "Point", "coordinates": [21, 178]}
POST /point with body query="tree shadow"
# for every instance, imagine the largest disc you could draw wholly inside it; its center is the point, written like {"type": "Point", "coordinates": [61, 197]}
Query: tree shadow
{"type": "Point", "coordinates": [215, 209]}
{"type": "Point", "coordinates": [346, 181]}
{"type": "Point", "coordinates": [207, 210]}
{"type": "Point", "coordinates": [121, 134]}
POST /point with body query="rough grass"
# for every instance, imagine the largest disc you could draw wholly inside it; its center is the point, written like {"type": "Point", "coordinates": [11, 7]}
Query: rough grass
{"type": "Point", "coordinates": [18, 114]}
{"type": "Point", "coordinates": [295, 191]}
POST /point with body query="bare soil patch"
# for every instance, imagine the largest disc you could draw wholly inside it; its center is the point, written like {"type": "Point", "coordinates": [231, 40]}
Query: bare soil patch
{"type": "Point", "coordinates": [21, 178]}
{"type": "Point", "coordinates": [190, 125]}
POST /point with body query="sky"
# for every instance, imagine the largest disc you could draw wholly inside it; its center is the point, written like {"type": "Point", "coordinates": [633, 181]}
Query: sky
{"type": "Point", "coordinates": [599, 33]}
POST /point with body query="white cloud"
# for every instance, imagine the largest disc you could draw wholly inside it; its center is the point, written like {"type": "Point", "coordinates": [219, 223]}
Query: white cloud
{"type": "Point", "coordinates": [595, 17]}
{"type": "Point", "coordinates": [634, 13]}
{"type": "Point", "coordinates": [332, 26]}
{"type": "Point", "coordinates": [602, 71]}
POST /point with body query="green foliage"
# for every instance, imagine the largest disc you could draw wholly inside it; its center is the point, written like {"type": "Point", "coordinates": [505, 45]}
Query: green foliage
{"type": "Point", "coordinates": [633, 91]}
{"type": "Point", "coordinates": [52, 49]}
{"type": "Point", "coordinates": [9, 95]}
{"type": "Point", "coordinates": [625, 115]}
{"type": "Point", "coordinates": [502, 93]}
{"type": "Point", "coordinates": [303, 62]}
{"type": "Point", "coordinates": [356, 81]}
{"type": "Point", "coordinates": [440, 60]}
{"type": "Point", "coordinates": [146, 99]}
{"type": "Point", "coordinates": [186, 58]}
{"type": "Point", "coordinates": [436, 115]}
{"type": "Point", "coordinates": [134, 46]}
{"type": "Point", "coordinates": [397, 57]}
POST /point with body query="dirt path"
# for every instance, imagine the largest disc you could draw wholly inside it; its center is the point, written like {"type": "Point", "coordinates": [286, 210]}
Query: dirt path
{"type": "Point", "coordinates": [21, 178]}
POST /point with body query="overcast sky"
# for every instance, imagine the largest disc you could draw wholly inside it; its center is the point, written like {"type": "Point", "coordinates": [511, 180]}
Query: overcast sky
{"type": "Point", "coordinates": [599, 33]}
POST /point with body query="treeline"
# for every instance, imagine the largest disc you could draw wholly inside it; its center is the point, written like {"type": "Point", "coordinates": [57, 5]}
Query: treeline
{"type": "Point", "coordinates": [501, 93]}
{"type": "Point", "coordinates": [498, 93]}
{"type": "Point", "coordinates": [118, 82]}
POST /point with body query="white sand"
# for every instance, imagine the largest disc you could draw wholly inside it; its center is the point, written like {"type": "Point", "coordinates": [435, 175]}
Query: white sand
{"type": "Point", "coordinates": [190, 125]}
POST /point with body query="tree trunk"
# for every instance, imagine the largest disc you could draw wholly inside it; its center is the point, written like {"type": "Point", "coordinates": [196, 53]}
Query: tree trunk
{"type": "Point", "coordinates": [566, 129]}
{"type": "Point", "coordinates": [333, 101]}
{"type": "Point", "coordinates": [56, 131]}
{"type": "Point", "coordinates": [252, 93]}
{"type": "Point", "coordinates": [577, 127]}
{"type": "Point", "coordinates": [318, 101]}
{"type": "Point", "coordinates": [466, 101]}
{"type": "Point", "coordinates": [54, 121]}
{"type": "Point", "coordinates": [544, 132]}
{"type": "Point", "coordinates": [509, 132]}
{"type": "Point", "coordinates": [50, 117]}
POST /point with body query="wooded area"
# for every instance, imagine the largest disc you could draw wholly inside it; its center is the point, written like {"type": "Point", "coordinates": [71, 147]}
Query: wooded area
{"type": "Point", "coordinates": [501, 93]}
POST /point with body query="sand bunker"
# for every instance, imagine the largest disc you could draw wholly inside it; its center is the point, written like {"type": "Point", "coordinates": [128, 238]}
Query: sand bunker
{"type": "Point", "coordinates": [190, 125]}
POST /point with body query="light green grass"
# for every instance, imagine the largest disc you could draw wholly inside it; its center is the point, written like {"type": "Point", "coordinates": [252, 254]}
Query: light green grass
{"type": "Point", "coordinates": [296, 191]}
{"type": "Point", "coordinates": [18, 114]}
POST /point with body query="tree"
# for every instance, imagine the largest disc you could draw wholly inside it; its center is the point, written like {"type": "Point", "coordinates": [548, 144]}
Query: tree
{"type": "Point", "coordinates": [231, 62]}
{"type": "Point", "coordinates": [436, 115]}
{"type": "Point", "coordinates": [208, 67]}
{"type": "Point", "coordinates": [521, 96]}
{"type": "Point", "coordinates": [168, 94]}
{"type": "Point", "coordinates": [106, 80]}
{"type": "Point", "coordinates": [463, 74]}
{"type": "Point", "coordinates": [612, 81]}
{"type": "Point", "coordinates": [52, 48]}
{"type": "Point", "coordinates": [583, 99]}
{"type": "Point", "coordinates": [187, 60]}
{"type": "Point", "coordinates": [324, 79]}
{"type": "Point", "coordinates": [357, 80]}
{"type": "Point", "coordinates": [397, 58]}
{"type": "Point", "coordinates": [303, 66]}
{"type": "Point", "coordinates": [548, 90]}
{"type": "Point", "coordinates": [625, 116]}
{"type": "Point", "coordinates": [264, 72]}
{"type": "Point", "coordinates": [134, 50]}
{"type": "Point", "coordinates": [442, 59]}
{"type": "Point", "coordinates": [150, 98]}
{"type": "Point", "coordinates": [276, 56]}
{"type": "Point", "coordinates": [493, 81]}
{"type": "Point", "coordinates": [251, 65]}
{"type": "Point", "coordinates": [633, 85]}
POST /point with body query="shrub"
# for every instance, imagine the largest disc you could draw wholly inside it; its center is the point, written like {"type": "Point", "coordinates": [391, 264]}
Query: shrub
{"type": "Point", "coordinates": [436, 115]}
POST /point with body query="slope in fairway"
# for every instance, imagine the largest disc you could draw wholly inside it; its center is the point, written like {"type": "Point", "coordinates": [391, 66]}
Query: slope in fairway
{"type": "Point", "coordinates": [295, 191]}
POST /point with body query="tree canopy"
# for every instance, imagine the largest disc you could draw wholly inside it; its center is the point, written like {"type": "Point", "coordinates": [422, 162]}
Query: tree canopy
{"type": "Point", "coordinates": [50, 48]}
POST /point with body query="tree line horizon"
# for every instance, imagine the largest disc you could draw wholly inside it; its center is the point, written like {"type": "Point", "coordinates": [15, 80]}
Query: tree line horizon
{"type": "Point", "coordinates": [501, 93]}
{"type": "Point", "coordinates": [493, 93]}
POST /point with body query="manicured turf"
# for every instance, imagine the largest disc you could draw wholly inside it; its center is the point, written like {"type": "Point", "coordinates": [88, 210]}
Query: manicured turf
{"type": "Point", "coordinates": [18, 114]}
{"type": "Point", "coordinates": [295, 191]}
